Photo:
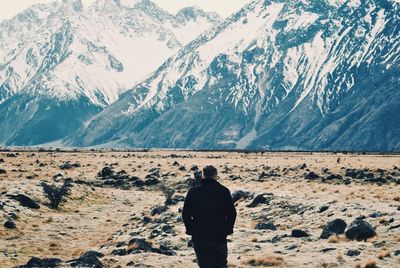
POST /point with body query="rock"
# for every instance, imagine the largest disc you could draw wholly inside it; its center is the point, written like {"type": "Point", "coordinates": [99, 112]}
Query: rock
{"type": "Point", "coordinates": [323, 208]}
{"type": "Point", "coordinates": [106, 172]}
{"type": "Point", "coordinates": [175, 164]}
{"type": "Point", "coordinates": [334, 227]}
{"type": "Point", "coordinates": [138, 245]}
{"type": "Point", "coordinates": [352, 252]}
{"type": "Point", "coordinates": [299, 233]}
{"type": "Point", "coordinates": [194, 168]}
{"type": "Point", "coordinates": [239, 194]}
{"type": "Point", "coordinates": [3, 171]}
{"type": "Point", "coordinates": [119, 252]}
{"type": "Point", "coordinates": [158, 209]}
{"type": "Point", "coordinates": [182, 168]}
{"type": "Point", "coordinates": [394, 227]}
{"type": "Point", "coordinates": [266, 226]}
{"type": "Point", "coordinates": [303, 166]}
{"type": "Point", "coordinates": [88, 259]}
{"type": "Point", "coordinates": [25, 201]}
{"type": "Point", "coordinates": [165, 250]}
{"type": "Point", "coordinates": [47, 262]}
{"type": "Point", "coordinates": [397, 252]}
{"type": "Point", "coordinates": [76, 165]}
{"type": "Point", "coordinates": [311, 176]}
{"type": "Point", "coordinates": [260, 199]}
{"type": "Point", "coordinates": [10, 224]}
{"type": "Point", "coordinates": [234, 177]}
{"type": "Point", "coordinates": [334, 177]}
{"type": "Point", "coordinates": [65, 166]}
{"type": "Point", "coordinates": [327, 249]}
{"type": "Point", "coordinates": [291, 247]}
{"type": "Point", "coordinates": [1, 160]}
{"type": "Point", "coordinates": [151, 182]}
{"type": "Point", "coordinates": [360, 230]}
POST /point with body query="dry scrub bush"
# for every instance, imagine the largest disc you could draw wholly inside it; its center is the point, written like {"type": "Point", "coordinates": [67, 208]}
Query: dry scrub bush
{"type": "Point", "coordinates": [268, 261]}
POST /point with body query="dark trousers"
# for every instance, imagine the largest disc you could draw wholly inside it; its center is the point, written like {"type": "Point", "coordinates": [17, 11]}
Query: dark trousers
{"type": "Point", "coordinates": [211, 254]}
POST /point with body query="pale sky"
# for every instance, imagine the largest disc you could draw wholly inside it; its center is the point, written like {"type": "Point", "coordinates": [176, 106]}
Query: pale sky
{"type": "Point", "coordinates": [9, 8]}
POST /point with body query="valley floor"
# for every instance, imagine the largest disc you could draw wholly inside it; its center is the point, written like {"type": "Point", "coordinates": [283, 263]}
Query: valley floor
{"type": "Point", "coordinates": [121, 213]}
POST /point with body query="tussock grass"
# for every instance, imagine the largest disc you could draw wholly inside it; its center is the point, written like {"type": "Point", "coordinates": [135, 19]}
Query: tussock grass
{"type": "Point", "coordinates": [384, 254]}
{"type": "Point", "coordinates": [267, 261]}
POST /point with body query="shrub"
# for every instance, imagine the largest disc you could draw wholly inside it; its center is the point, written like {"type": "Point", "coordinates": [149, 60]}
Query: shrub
{"type": "Point", "coordinates": [55, 193]}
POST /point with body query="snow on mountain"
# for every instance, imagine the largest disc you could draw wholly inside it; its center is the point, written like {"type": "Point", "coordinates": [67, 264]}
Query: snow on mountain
{"type": "Point", "coordinates": [275, 75]}
{"type": "Point", "coordinates": [65, 53]}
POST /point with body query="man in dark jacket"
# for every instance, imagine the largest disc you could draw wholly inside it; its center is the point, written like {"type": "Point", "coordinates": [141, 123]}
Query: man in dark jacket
{"type": "Point", "coordinates": [209, 216]}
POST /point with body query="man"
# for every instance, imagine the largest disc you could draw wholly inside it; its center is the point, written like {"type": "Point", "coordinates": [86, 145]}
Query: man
{"type": "Point", "coordinates": [209, 216]}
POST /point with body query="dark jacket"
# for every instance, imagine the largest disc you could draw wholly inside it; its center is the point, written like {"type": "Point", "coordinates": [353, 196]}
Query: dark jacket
{"type": "Point", "coordinates": [209, 213]}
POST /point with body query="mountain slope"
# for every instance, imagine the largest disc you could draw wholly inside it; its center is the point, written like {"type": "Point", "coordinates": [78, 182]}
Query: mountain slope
{"type": "Point", "coordinates": [64, 55]}
{"type": "Point", "coordinates": [276, 75]}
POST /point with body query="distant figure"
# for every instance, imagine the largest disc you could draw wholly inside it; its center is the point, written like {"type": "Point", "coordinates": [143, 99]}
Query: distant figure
{"type": "Point", "coordinates": [209, 216]}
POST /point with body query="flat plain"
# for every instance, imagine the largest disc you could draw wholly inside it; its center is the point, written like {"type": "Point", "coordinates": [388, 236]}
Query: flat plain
{"type": "Point", "coordinates": [123, 209]}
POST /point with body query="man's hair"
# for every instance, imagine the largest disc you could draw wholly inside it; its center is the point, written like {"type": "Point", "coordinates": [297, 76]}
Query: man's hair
{"type": "Point", "coordinates": [209, 172]}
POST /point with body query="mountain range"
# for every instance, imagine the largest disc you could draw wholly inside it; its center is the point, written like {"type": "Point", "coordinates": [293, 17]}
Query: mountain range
{"type": "Point", "coordinates": [276, 75]}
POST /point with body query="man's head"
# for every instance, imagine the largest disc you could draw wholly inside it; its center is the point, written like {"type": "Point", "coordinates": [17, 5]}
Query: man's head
{"type": "Point", "coordinates": [210, 172]}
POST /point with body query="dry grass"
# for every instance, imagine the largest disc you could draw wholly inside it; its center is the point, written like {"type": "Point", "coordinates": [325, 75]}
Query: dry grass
{"type": "Point", "coordinates": [368, 264]}
{"type": "Point", "coordinates": [267, 261]}
{"type": "Point", "coordinates": [384, 254]}
{"type": "Point", "coordinates": [397, 238]}
{"type": "Point", "coordinates": [336, 239]}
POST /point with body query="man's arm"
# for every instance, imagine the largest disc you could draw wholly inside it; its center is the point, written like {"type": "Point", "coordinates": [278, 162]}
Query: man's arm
{"type": "Point", "coordinates": [187, 213]}
{"type": "Point", "coordinates": [230, 213]}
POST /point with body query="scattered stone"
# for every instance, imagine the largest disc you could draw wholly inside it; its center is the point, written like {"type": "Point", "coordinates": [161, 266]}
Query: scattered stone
{"type": "Point", "coordinates": [266, 226]}
{"type": "Point", "coordinates": [194, 168]}
{"type": "Point", "coordinates": [335, 227]}
{"type": "Point", "coordinates": [323, 208]}
{"type": "Point", "coordinates": [88, 259]}
{"type": "Point", "coordinates": [158, 209]}
{"type": "Point", "coordinates": [182, 168]}
{"type": "Point", "coordinates": [334, 177]}
{"type": "Point", "coordinates": [303, 166]}
{"type": "Point", "coordinates": [397, 252]}
{"type": "Point", "coordinates": [352, 252]}
{"type": "Point", "coordinates": [1, 160]}
{"type": "Point", "coordinates": [106, 172]}
{"type": "Point", "coordinates": [324, 250]}
{"type": "Point", "coordinates": [66, 165]}
{"type": "Point", "coordinates": [394, 227]}
{"type": "Point", "coordinates": [311, 176]}
{"type": "Point", "coordinates": [175, 164]}
{"type": "Point", "coordinates": [261, 199]}
{"type": "Point", "coordinates": [11, 155]}
{"type": "Point", "coordinates": [25, 201]}
{"type": "Point", "coordinates": [3, 171]}
{"type": "Point", "coordinates": [360, 230]}
{"type": "Point", "coordinates": [151, 182]}
{"type": "Point", "coordinates": [291, 247]}
{"type": "Point", "coordinates": [10, 224]}
{"type": "Point", "coordinates": [299, 233]}
{"type": "Point", "coordinates": [239, 194]}
{"type": "Point", "coordinates": [36, 262]}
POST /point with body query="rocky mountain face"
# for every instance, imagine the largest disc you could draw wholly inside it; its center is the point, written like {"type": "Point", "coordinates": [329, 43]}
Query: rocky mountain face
{"type": "Point", "coordinates": [62, 63]}
{"type": "Point", "coordinates": [310, 75]}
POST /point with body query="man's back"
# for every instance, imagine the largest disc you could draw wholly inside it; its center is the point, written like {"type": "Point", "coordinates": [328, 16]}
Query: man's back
{"type": "Point", "coordinates": [209, 213]}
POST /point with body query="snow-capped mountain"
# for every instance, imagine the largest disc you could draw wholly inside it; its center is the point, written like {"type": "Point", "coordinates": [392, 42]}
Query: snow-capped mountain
{"type": "Point", "coordinates": [278, 74]}
{"type": "Point", "coordinates": [61, 63]}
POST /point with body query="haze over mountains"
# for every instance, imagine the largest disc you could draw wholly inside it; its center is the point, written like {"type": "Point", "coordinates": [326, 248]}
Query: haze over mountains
{"type": "Point", "coordinates": [310, 75]}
